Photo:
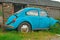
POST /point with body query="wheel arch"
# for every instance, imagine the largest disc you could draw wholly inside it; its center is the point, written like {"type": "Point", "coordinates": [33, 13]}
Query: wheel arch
{"type": "Point", "coordinates": [27, 22]}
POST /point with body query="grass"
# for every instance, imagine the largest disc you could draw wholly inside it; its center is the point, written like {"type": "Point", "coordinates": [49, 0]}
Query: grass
{"type": "Point", "coordinates": [35, 35]}
{"type": "Point", "coordinates": [38, 35]}
{"type": "Point", "coordinates": [13, 35]}
{"type": "Point", "coordinates": [55, 29]}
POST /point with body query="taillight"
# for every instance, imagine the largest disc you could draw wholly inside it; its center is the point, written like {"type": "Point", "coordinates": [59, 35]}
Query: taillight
{"type": "Point", "coordinates": [14, 19]}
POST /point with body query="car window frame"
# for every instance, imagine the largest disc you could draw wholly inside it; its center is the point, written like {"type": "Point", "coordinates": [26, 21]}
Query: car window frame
{"type": "Point", "coordinates": [32, 15]}
{"type": "Point", "coordinates": [43, 10]}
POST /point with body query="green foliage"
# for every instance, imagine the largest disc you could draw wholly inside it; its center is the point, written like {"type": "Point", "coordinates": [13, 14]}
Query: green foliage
{"type": "Point", "coordinates": [55, 28]}
{"type": "Point", "coordinates": [0, 13]}
{"type": "Point", "coordinates": [34, 35]}
{"type": "Point", "coordinates": [13, 35]}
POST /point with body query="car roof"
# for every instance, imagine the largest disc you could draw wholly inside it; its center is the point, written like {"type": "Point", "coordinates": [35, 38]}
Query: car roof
{"type": "Point", "coordinates": [22, 11]}
{"type": "Point", "coordinates": [32, 8]}
{"type": "Point", "coordinates": [29, 8]}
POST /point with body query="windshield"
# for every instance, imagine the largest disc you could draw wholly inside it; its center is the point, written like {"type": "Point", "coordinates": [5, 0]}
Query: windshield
{"type": "Point", "coordinates": [16, 13]}
{"type": "Point", "coordinates": [43, 13]}
{"type": "Point", "coordinates": [19, 11]}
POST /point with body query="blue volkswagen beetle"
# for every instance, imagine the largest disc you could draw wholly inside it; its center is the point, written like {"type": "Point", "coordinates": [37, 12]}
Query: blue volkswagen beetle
{"type": "Point", "coordinates": [28, 19]}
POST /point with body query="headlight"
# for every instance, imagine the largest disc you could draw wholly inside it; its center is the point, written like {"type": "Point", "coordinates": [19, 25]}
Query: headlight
{"type": "Point", "coordinates": [43, 13]}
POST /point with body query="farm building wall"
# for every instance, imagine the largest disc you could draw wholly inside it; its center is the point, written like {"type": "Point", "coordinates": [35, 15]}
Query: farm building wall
{"type": "Point", "coordinates": [52, 11]}
{"type": "Point", "coordinates": [0, 9]}
{"type": "Point", "coordinates": [8, 10]}
{"type": "Point", "coordinates": [1, 17]}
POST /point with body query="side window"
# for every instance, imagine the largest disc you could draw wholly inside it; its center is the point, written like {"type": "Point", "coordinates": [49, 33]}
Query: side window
{"type": "Point", "coordinates": [43, 13]}
{"type": "Point", "coordinates": [32, 13]}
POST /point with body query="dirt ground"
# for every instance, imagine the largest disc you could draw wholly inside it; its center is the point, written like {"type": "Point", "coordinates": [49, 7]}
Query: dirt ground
{"type": "Point", "coordinates": [1, 19]}
{"type": "Point", "coordinates": [56, 37]}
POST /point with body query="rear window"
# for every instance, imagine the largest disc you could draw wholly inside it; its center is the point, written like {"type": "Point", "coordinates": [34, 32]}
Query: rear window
{"type": "Point", "coordinates": [19, 10]}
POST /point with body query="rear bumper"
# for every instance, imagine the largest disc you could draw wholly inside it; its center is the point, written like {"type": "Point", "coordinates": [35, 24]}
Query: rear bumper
{"type": "Point", "coordinates": [8, 27]}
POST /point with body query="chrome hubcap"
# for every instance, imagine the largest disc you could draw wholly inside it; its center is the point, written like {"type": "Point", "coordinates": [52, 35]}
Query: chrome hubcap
{"type": "Point", "coordinates": [24, 28]}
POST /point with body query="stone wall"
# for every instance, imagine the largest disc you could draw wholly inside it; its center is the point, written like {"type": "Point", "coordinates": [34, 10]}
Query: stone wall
{"type": "Point", "coordinates": [1, 20]}
{"type": "Point", "coordinates": [0, 9]}
{"type": "Point", "coordinates": [1, 17]}
{"type": "Point", "coordinates": [8, 10]}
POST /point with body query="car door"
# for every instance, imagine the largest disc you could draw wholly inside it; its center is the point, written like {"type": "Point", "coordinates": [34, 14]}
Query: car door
{"type": "Point", "coordinates": [33, 15]}
{"type": "Point", "coordinates": [43, 20]}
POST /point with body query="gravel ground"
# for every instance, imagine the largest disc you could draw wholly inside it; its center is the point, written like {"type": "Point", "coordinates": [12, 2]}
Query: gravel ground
{"type": "Point", "coordinates": [56, 37]}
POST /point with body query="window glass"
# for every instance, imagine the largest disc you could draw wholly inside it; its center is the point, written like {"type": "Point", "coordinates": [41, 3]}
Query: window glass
{"type": "Point", "coordinates": [43, 13]}
{"type": "Point", "coordinates": [32, 13]}
{"type": "Point", "coordinates": [19, 10]}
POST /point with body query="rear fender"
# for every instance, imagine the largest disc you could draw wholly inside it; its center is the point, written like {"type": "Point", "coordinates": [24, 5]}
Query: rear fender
{"type": "Point", "coordinates": [21, 20]}
{"type": "Point", "coordinates": [10, 19]}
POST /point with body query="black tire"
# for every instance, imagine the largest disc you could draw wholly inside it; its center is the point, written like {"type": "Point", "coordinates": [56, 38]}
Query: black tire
{"type": "Point", "coordinates": [19, 29]}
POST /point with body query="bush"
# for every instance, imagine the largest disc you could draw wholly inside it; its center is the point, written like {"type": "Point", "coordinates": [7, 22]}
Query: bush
{"type": "Point", "coordinates": [55, 28]}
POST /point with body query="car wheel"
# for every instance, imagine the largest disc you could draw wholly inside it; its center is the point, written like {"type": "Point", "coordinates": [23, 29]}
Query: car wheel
{"type": "Point", "coordinates": [24, 27]}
